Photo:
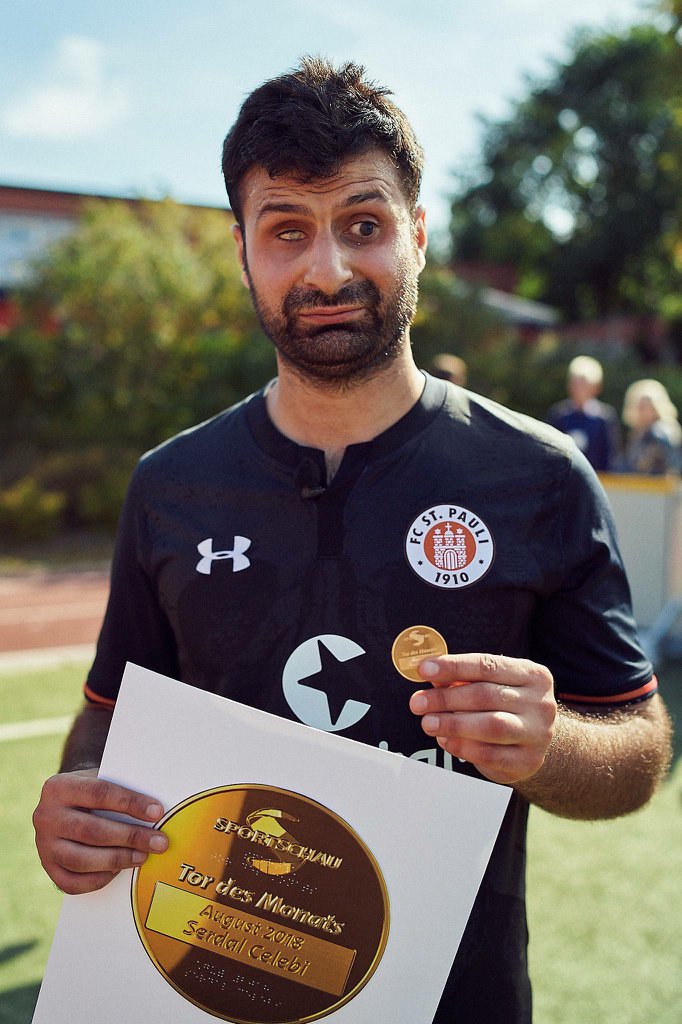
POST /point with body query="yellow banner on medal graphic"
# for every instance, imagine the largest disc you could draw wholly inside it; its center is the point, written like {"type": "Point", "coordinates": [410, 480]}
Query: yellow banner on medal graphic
{"type": "Point", "coordinates": [250, 940]}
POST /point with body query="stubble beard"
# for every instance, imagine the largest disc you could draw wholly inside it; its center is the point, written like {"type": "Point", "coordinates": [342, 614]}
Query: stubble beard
{"type": "Point", "coordinates": [336, 356]}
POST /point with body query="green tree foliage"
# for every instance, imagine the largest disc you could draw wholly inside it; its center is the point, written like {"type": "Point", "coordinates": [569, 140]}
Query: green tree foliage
{"type": "Point", "coordinates": [145, 299]}
{"type": "Point", "coordinates": [580, 188]}
{"type": "Point", "coordinates": [136, 326]}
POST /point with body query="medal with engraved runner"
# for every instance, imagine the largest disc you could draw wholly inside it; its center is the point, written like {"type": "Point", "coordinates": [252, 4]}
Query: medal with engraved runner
{"type": "Point", "coordinates": [267, 908]}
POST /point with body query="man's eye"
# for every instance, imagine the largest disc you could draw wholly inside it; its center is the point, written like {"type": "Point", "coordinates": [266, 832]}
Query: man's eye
{"type": "Point", "coordinates": [291, 235]}
{"type": "Point", "coordinates": [363, 229]}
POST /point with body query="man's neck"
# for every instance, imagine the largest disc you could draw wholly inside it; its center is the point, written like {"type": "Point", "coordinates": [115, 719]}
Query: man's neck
{"type": "Point", "coordinates": [319, 417]}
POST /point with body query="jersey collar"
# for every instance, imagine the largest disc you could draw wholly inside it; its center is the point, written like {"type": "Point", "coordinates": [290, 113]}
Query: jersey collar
{"type": "Point", "coordinates": [415, 420]}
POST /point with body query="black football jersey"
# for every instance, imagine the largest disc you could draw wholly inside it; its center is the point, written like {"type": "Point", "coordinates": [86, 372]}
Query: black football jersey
{"type": "Point", "coordinates": [240, 570]}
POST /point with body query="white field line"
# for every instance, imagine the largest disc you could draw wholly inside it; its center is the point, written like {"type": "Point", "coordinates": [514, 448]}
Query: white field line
{"type": "Point", "coordinates": [45, 657]}
{"type": "Point", "coordinates": [37, 727]}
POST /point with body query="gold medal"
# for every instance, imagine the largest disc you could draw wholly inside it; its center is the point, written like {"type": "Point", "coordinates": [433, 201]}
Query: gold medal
{"type": "Point", "coordinates": [267, 908]}
{"type": "Point", "coordinates": [414, 645]}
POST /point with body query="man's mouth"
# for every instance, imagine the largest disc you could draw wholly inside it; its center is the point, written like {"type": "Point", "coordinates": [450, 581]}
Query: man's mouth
{"type": "Point", "coordinates": [322, 316]}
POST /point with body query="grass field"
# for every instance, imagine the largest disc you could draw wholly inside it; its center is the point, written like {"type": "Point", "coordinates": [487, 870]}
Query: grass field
{"type": "Point", "coordinates": [605, 900]}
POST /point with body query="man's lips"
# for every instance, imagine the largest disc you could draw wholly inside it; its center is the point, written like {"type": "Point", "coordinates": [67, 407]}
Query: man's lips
{"type": "Point", "coordinates": [320, 316]}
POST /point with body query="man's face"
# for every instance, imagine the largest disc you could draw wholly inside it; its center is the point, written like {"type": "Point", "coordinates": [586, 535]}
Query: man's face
{"type": "Point", "coordinates": [582, 390]}
{"type": "Point", "coordinates": [332, 266]}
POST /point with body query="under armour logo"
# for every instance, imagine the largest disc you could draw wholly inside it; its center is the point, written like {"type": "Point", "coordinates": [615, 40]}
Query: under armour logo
{"type": "Point", "coordinates": [209, 556]}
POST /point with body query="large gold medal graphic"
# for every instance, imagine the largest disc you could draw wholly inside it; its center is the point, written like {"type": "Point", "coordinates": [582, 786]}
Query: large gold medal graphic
{"type": "Point", "coordinates": [267, 908]}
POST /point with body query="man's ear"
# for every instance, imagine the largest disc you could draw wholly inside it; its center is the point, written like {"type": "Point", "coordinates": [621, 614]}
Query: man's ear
{"type": "Point", "coordinates": [238, 236]}
{"type": "Point", "coordinates": [421, 236]}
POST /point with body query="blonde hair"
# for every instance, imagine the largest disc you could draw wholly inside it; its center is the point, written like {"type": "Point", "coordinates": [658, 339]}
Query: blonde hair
{"type": "Point", "coordinates": [587, 368]}
{"type": "Point", "coordinates": [657, 395]}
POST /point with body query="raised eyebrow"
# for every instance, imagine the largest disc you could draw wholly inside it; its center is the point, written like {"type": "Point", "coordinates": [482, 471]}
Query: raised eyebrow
{"type": "Point", "coordinates": [295, 208]}
{"type": "Point", "coordinates": [364, 197]}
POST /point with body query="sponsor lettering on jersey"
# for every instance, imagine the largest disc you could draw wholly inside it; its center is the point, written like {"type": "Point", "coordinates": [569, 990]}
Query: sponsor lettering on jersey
{"type": "Point", "coordinates": [449, 546]}
{"type": "Point", "coordinates": [431, 755]}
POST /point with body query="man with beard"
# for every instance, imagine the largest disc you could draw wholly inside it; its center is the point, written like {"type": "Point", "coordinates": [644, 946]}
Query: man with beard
{"type": "Point", "coordinates": [355, 497]}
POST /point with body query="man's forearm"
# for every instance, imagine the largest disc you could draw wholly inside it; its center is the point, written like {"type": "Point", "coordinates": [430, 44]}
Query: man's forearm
{"type": "Point", "coordinates": [602, 765]}
{"type": "Point", "coordinates": [85, 743]}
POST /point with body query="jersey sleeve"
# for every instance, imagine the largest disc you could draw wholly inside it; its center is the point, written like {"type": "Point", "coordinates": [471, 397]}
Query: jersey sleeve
{"type": "Point", "coordinates": [135, 627]}
{"type": "Point", "coordinates": [584, 631]}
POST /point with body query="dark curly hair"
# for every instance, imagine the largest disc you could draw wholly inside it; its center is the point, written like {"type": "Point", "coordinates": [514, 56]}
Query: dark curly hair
{"type": "Point", "coordinates": [308, 122]}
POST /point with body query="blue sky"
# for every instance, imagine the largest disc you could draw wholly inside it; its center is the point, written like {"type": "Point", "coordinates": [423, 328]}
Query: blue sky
{"type": "Point", "coordinates": [135, 97]}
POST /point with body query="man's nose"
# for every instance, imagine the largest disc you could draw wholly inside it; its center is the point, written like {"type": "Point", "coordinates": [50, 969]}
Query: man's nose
{"type": "Point", "coordinates": [328, 267]}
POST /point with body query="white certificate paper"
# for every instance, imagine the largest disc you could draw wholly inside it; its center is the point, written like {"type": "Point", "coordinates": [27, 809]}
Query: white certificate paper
{"type": "Point", "coordinates": [423, 837]}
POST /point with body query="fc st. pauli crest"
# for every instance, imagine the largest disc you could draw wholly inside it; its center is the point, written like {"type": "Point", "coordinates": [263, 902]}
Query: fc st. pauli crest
{"type": "Point", "coordinates": [449, 546]}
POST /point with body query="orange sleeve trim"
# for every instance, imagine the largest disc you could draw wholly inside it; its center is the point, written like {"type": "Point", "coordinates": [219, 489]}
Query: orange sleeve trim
{"type": "Point", "coordinates": [96, 698]}
{"type": "Point", "coordinates": [617, 698]}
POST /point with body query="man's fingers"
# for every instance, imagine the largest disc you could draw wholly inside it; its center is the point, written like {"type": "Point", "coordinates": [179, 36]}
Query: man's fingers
{"type": "Point", "coordinates": [82, 851]}
{"type": "Point", "coordinates": [77, 790]}
{"type": "Point", "coordinates": [74, 857]}
{"type": "Point", "coordinates": [450, 669]}
{"type": "Point", "coordinates": [497, 762]}
{"type": "Point", "coordinates": [469, 697]}
{"type": "Point", "coordinates": [93, 830]}
{"type": "Point", "coordinates": [75, 884]}
{"type": "Point", "coordinates": [490, 727]}
{"type": "Point", "coordinates": [500, 717]}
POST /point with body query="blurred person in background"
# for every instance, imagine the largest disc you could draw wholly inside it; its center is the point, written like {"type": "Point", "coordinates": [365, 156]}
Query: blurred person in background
{"type": "Point", "coordinates": [448, 367]}
{"type": "Point", "coordinates": [654, 444]}
{"type": "Point", "coordinates": [592, 424]}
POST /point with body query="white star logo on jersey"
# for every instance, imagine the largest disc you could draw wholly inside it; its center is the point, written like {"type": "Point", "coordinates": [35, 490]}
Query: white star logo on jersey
{"type": "Point", "coordinates": [313, 683]}
{"type": "Point", "coordinates": [209, 556]}
{"type": "Point", "coordinates": [449, 546]}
